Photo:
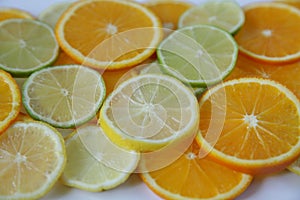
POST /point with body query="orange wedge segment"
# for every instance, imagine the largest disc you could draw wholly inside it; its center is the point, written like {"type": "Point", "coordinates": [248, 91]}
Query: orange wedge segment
{"type": "Point", "coordinates": [12, 13]}
{"type": "Point", "coordinates": [191, 177]}
{"type": "Point", "coordinates": [10, 101]}
{"type": "Point", "coordinates": [108, 34]}
{"type": "Point", "coordinates": [251, 125]}
{"type": "Point", "coordinates": [270, 32]}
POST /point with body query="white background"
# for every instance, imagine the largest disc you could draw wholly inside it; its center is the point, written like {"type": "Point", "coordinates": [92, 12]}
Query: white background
{"type": "Point", "coordinates": [280, 186]}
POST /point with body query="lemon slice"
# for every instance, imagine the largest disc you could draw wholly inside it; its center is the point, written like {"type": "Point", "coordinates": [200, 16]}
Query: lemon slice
{"type": "Point", "coordinates": [94, 162]}
{"type": "Point", "coordinates": [26, 46]}
{"type": "Point", "coordinates": [148, 112]}
{"type": "Point", "coordinates": [32, 159]}
{"type": "Point", "coordinates": [64, 96]}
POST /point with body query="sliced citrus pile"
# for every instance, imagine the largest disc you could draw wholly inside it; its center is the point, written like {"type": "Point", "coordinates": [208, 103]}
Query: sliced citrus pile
{"type": "Point", "coordinates": [64, 96]}
{"type": "Point", "coordinates": [105, 24]}
{"type": "Point", "coordinates": [227, 15]}
{"type": "Point", "coordinates": [199, 55]}
{"type": "Point", "coordinates": [94, 163]}
{"type": "Point", "coordinates": [192, 177]}
{"type": "Point", "coordinates": [168, 11]}
{"type": "Point", "coordinates": [270, 32]}
{"type": "Point", "coordinates": [32, 159]}
{"type": "Point", "coordinates": [26, 46]}
{"type": "Point", "coordinates": [148, 112]}
{"type": "Point", "coordinates": [255, 125]}
{"type": "Point", "coordinates": [13, 13]}
{"type": "Point", "coordinates": [10, 100]}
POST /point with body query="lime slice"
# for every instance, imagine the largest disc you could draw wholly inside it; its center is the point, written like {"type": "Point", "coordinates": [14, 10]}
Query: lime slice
{"type": "Point", "coordinates": [199, 55]}
{"type": "Point", "coordinates": [148, 112]}
{"type": "Point", "coordinates": [32, 159]}
{"type": "Point", "coordinates": [227, 15]}
{"type": "Point", "coordinates": [52, 13]}
{"type": "Point", "coordinates": [26, 46]}
{"type": "Point", "coordinates": [94, 163]}
{"type": "Point", "coordinates": [64, 96]}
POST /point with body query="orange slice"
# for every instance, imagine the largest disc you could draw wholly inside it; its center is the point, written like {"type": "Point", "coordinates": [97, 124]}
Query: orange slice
{"type": "Point", "coordinates": [168, 11]}
{"type": "Point", "coordinates": [191, 177]}
{"type": "Point", "coordinates": [251, 125]}
{"type": "Point", "coordinates": [270, 32]}
{"type": "Point", "coordinates": [12, 13]}
{"type": "Point", "coordinates": [108, 34]}
{"type": "Point", "coordinates": [63, 59]}
{"type": "Point", "coordinates": [10, 101]}
{"type": "Point", "coordinates": [286, 74]}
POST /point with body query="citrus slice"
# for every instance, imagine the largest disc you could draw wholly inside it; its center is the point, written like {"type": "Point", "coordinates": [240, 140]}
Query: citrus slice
{"type": "Point", "coordinates": [64, 96]}
{"type": "Point", "coordinates": [270, 32]}
{"type": "Point", "coordinates": [148, 112]}
{"type": "Point", "coordinates": [26, 46]}
{"type": "Point", "coordinates": [63, 59]}
{"type": "Point", "coordinates": [168, 11]}
{"type": "Point", "coordinates": [199, 55]}
{"type": "Point", "coordinates": [94, 163]}
{"type": "Point", "coordinates": [13, 13]}
{"type": "Point", "coordinates": [257, 122]}
{"type": "Point", "coordinates": [286, 74]}
{"type": "Point", "coordinates": [295, 167]}
{"type": "Point", "coordinates": [53, 12]}
{"type": "Point", "coordinates": [227, 15]}
{"type": "Point", "coordinates": [32, 159]}
{"type": "Point", "coordinates": [108, 34]}
{"type": "Point", "coordinates": [10, 101]}
{"type": "Point", "coordinates": [191, 177]}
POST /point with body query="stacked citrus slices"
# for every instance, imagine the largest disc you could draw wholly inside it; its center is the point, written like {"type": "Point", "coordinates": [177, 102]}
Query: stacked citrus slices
{"type": "Point", "coordinates": [198, 106]}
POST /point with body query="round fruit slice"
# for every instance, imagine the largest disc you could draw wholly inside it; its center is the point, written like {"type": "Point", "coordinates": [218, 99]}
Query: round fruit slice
{"type": "Point", "coordinates": [258, 121]}
{"type": "Point", "coordinates": [10, 100]}
{"type": "Point", "coordinates": [109, 34]}
{"type": "Point", "coordinates": [148, 112]}
{"type": "Point", "coordinates": [94, 163]}
{"type": "Point", "coordinates": [13, 13]}
{"type": "Point", "coordinates": [64, 96]}
{"type": "Point", "coordinates": [227, 15]}
{"type": "Point", "coordinates": [26, 46]}
{"type": "Point", "coordinates": [191, 178]}
{"type": "Point", "coordinates": [270, 32]}
{"type": "Point", "coordinates": [32, 159]}
{"type": "Point", "coordinates": [199, 55]}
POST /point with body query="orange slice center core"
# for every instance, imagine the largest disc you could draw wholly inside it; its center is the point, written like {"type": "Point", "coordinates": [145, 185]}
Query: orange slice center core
{"type": "Point", "coordinates": [267, 33]}
{"type": "Point", "coordinates": [250, 120]}
{"type": "Point", "coordinates": [111, 29]}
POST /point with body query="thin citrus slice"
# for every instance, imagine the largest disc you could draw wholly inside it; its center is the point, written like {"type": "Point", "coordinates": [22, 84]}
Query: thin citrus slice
{"type": "Point", "coordinates": [53, 12]}
{"type": "Point", "coordinates": [227, 15]}
{"type": "Point", "coordinates": [295, 167]}
{"type": "Point", "coordinates": [168, 11]}
{"type": "Point", "coordinates": [32, 159]}
{"type": "Point", "coordinates": [26, 46]}
{"type": "Point", "coordinates": [148, 112]}
{"type": "Point", "coordinates": [63, 59]}
{"type": "Point", "coordinates": [270, 32]}
{"type": "Point", "coordinates": [13, 13]}
{"type": "Point", "coordinates": [64, 96]}
{"type": "Point", "coordinates": [255, 128]}
{"type": "Point", "coordinates": [199, 55]}
{"type": "Point", "coordinates": [286, 74]}
{"type": "Point", "coordinates": [10, 100]}
{"type": "Point", "coordinates": [108, 34]}
{"type": "Point", "coordinates": [191, 178]}
{"type": "Point", "coordinates": [94, 163]}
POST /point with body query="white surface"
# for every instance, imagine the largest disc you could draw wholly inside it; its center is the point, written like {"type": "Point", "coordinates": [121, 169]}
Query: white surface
{"type": "Point", "coordinates": [281, 186]}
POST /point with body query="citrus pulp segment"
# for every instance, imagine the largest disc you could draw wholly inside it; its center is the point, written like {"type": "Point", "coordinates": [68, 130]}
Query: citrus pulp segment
{"type": "Point", "coordinates": [259, 125]}
{"type": "Point", "coordinates": [94, 162]}
{"type": "Point", "coordinates": [64, 96]}
{"type": "Point", "coordinates": [148, 112]}
{"type": "Point", "coordinates": [32, 159]}
{"type": "Point", "coordinates": [227, 15]}
{"type": "Point", "coordinates": [10, 101]}
{"type": "Point", "coordinates": [191, 177]}
{"type": "Point", "coordinates": [113, 34]}
{"type": "Point", "coordinates": [270, 32]}
{"type": "Point", "coordinates": [26, 46]}
{"type": "Point", "coordinates": [13, 13]}
{"type": "Point", "coordinates": [199, 55]}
